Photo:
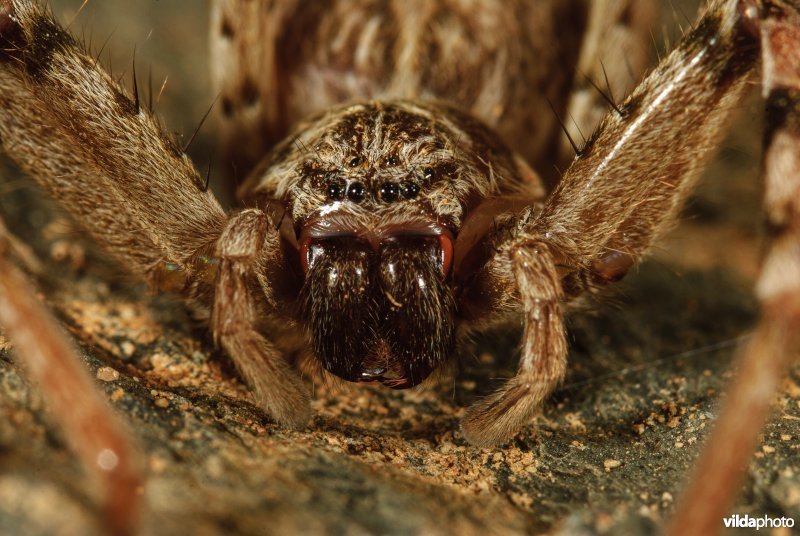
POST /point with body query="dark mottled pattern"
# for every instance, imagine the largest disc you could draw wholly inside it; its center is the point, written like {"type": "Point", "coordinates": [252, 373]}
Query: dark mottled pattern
{"type": "Point", "coordinates": [783, 112]}
{"type": "Point", "coordinates": [11, 36]}
{"type": "Point", "coordinates": [46, 39]}
{"type": "Point", "coordinates": [126, 105]}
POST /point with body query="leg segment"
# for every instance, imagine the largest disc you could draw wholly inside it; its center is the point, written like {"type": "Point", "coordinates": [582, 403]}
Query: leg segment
{"type": "Point", "coordinates": [630, 180]}
{"type": "Point", "coordinates": [20, 253]}
{"type": "Point", "coordinates": [614, 56]}
{"type": "Point", "coordinates": [241, 248]}
{"type": "Point", "coordinates": [94, 148]}
{"type": "Point", "coordinates": [92, 430]}
{"type": "Point", "coordinates": [776, 341]}
{"type": "Point", "coordinates": [496, 418]}
{"type": "Point", "coordinates": [619, 195]}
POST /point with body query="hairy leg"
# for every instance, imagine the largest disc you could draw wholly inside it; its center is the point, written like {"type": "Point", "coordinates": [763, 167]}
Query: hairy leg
{"type": "Point", "coordinates": [94, 148]}
{"type": "Point", "coordinates": [68, 124]}
{"type": "Point", "coordinates": [620, 194]}
{"type": "Point", "coordinates": [20, 253]}
{"type": "Point", "coordinates": [614, 56]}
{"type": "Point", "coordinates": [496, 418]}
{"type": "Point", "coordinates": [246, 238]}
{"type": "Point", "coordinates": [776, 341]}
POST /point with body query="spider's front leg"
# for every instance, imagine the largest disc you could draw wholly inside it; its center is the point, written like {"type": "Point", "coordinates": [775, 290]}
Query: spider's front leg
{"type": "Point", "coordinates": [528, 266]}
{"type": "Point", "coordinates": [247, 245]}
{"type": "Point", "coordinates": [70, 126]}
{"type": "Point", "coordinates": [621, 192]}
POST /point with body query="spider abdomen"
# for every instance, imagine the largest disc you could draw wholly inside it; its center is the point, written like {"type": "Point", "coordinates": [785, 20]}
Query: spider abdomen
{"type": "Point", "coordinates": [493, 59]}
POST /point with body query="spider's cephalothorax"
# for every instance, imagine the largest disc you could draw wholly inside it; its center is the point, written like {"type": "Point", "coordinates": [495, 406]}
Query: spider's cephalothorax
{"type": "Point", "coordinates": [377, 194]}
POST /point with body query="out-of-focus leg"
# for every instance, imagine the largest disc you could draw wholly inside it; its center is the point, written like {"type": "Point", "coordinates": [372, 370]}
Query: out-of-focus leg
{"type": "Point", "coordinates": [776, 340]}
{"type": "Point", "coordinates": [88, 424]}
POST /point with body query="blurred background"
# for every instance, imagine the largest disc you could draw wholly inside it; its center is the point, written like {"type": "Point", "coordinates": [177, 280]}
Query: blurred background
{"type": "Point", "coordinates": [170, 38]}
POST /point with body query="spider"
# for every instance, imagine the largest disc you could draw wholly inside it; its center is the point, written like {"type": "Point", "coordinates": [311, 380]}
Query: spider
{"type": "Point", "coordinates": [381, 233]}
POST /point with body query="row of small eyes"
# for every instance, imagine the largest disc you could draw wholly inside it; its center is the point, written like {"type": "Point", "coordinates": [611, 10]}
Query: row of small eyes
{"type": "Point", "coordinates": [388, 191]}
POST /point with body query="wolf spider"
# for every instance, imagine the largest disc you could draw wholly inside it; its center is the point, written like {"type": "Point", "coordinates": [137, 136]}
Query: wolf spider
{"type": "Point", "coordinates": [404, 220]}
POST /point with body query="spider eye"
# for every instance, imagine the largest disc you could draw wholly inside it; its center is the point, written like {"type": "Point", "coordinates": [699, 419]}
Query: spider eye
{"type": "Point", "coordinates": [356, 192]}
{"type": "Point", "coordinates": [389, 192]}
{"type": "Point", "coordinates": [336, 190]}
{"type": "Point", "coordinates": [409, 189]}
{"type": "Point", "coordinates": [428, 174]}
{"type": "Point", "coordinates": [354, 161]}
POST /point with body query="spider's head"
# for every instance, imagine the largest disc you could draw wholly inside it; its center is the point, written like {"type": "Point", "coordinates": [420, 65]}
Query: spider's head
{"type": "Point", "coordinates": [376, 195]}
